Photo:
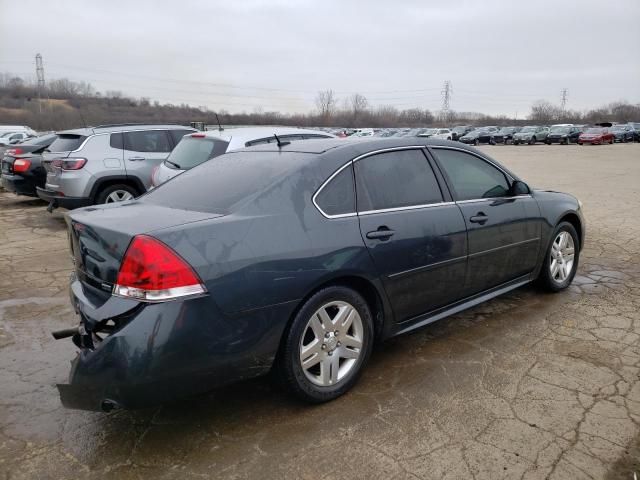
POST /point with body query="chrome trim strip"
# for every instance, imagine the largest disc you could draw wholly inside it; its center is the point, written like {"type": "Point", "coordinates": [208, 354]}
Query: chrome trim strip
{"type": "Point", "coordinates": [492, 199]}
{"type": "Point", "coordinates": [502, 247]}
{"type": "Point", "coordinates": [429, 266]}
{"type": "Point", "coordinates": [410, 207]}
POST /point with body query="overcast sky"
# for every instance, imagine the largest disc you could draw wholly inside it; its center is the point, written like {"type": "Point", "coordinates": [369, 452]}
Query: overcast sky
{"type": "Point", "coordinates": [500, 56]}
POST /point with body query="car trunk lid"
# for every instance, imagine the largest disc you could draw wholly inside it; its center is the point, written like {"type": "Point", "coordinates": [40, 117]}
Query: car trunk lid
{"type": "Point", "coordinates": [99, 237]}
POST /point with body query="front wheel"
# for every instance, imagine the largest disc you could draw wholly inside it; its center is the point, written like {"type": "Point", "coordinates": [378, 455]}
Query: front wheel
{"type": "Point", "coordinates": [561, 260]}
{"type": "Point", "coordinates": [532, 141]}
{"type": "Point", "coordinates": [327, 345]}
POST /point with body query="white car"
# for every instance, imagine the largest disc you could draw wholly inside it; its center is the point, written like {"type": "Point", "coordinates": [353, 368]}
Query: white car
{"type": "Point", "coordinates": [197, 148]}
{"type": "Point", "coordinates": [4, 129]}
{"type": "Point", "coordinates": [443, 133]}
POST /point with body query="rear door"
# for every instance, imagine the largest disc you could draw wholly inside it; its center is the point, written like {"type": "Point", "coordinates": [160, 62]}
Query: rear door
{"type": "Point", "coordinates": [415, 235]}
{"type": "Point", "coordinates": [503, 230]}
{"type": "Point", "coordinates": [143, 151]}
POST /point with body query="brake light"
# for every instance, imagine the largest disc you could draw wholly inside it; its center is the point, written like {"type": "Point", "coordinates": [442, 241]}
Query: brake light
{"type": "Point", "coordinates": [197, 135]}
{"type": "Point", "coordinates": [154, 172]}
{"type": "Point", "coordinates": [14, 151]}
{"type": "Point", "coordinates": [153, 272]}
{"type": "Point", "coordinates": [21, 165]}
{"type": "Point", "coordinates": [69, 163]}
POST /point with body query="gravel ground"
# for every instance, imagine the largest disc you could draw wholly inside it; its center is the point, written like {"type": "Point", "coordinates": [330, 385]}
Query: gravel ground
{"type": "Point", "coordinates": [530, 385]}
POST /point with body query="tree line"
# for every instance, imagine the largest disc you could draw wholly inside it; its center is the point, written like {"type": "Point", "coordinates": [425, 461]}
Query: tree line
{"type": "Point", "coordinates": [64, 103]}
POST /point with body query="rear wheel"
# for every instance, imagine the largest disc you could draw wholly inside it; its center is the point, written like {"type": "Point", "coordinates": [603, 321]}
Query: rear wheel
{"type": "Point", "coordinates": [327, 345]}
{"type": "Point", "coordinates": [532, 141]}
{"type": "Point", "coordinates": [116, 193]}
{"type": "Point", "coordinates": [476, 142]}
{"type": "Point", "coordinates": [561, 261]}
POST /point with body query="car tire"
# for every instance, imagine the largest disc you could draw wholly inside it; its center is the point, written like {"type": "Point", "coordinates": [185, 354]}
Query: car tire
{"type": "Point", "coordinates": [476, 142]}
{"type": "Point", "coordinates": [532, 141]}
{"type": "Point", "coordinates": [320, 382]}
{"type": "Point", "coordinates": [111, 193]}
{"type": "Point", "coordinates": [492, 141]}
{"type": "Point", "coordinates": [557, 276]}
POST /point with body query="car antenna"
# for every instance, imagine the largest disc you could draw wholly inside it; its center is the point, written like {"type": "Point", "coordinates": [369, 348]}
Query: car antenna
{"type": "Point", "coordinates": [219, 125]}
{"type": "Point", "coordinates": [279, 142]}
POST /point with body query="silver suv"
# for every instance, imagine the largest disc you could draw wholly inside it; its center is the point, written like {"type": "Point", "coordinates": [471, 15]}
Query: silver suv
{"type": "Point", "coordinates": [104, 164]}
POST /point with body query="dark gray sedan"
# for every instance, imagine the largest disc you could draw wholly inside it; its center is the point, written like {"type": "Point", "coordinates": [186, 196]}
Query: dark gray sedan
{"type": "Point", "coordinates": [297, 258]}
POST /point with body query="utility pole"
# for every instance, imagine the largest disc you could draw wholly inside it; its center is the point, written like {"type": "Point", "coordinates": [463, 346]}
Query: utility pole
{"type": "Point", "coordinates": [447, 90]}
{"type": "Point", "coordinates": [40, 75]}
{"type": "Point", "coordinates": [563, 101]}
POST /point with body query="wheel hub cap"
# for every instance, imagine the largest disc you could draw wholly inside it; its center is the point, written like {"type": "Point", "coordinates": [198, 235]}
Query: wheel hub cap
{"type": "Point", "coordinates": [562, 257]}
{"type": "Point", "coordinates": [331, 343]}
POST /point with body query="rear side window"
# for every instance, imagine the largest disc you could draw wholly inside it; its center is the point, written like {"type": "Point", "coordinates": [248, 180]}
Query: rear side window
{"type": "Point", "coordinates": [147, 141]}
{"type": "Point", "coordinates": [395, 179]}
{"type": "Point", "coordinates": [192, 151]}
{"type": "Point", "coordinates": [338, 196]}
{"type": "Point", "coordinates": [66, 143]}
{"type": "Point", "coordinates": [116, 141]}
{"type": "Point", "coordinates": [470, 176]}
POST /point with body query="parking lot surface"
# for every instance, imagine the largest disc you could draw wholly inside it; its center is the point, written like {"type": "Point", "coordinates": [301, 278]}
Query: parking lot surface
{"type": "Point", "coordinates": [529, 385]}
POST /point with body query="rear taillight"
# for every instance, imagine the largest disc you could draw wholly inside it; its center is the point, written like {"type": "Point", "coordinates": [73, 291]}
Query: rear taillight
{"type": "Point", "coordinates": [21, 165]}
{"type": "Point", "coordinates": [153, 272]}
{"type": "Point", "coordinates": [14, 152]}
{"type": "Point", "coordinates": [154, 172]}
{"type": "Point", "coordinates": [198, 135]}
{"type": "Point", "coordinates": [69, 163]}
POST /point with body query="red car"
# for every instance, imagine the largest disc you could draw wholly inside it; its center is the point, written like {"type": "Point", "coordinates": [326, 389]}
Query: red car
{"type": "Point", "coordinates": [596, 136]}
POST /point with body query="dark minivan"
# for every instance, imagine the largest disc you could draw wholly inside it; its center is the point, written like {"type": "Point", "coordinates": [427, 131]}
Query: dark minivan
{"type": "Point", "coordinates": [297, 258]}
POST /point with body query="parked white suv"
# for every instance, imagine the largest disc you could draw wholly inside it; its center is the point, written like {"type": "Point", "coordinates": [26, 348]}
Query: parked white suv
{"type": "Point", "coordinates": [105, 164]}
{"type": "Point", "coordinates": [199, 147]}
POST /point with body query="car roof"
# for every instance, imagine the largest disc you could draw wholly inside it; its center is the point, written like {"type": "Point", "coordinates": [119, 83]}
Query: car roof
{"type": "Point", "coordinates": [86, 131]}
{"type": "Point", "coordinates": [255, 133]}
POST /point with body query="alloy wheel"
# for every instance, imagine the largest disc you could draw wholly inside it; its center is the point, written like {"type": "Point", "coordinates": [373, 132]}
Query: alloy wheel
{"type": "Point", "coordinates": [331, 344]}
{"type": "Point", "coordinates": [562, 257]}
{"type": "Point", "coordinates": [118, 196]}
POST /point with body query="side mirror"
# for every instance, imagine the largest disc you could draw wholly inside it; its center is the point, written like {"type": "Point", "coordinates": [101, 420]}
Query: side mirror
{"type": "Point", "coordinates": [519, 188]}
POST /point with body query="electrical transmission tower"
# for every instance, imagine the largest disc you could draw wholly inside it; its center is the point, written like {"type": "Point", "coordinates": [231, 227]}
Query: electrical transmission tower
{"type": "Point", "coordinates": [563, 100]}
{"type": "Point", "coordinates": [40, 75]}
{"type": "Point", "coordinates": [447, 90]}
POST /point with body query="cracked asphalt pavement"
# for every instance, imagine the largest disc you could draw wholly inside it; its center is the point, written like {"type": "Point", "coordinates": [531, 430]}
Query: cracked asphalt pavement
{"type": "Point", "coordinates": [530, 385]}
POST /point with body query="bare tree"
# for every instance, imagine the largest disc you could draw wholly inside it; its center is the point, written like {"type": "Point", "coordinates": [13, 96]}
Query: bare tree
{"type": "Point", "coordinates": [544, 112]}
{"type": "Point", "coordinates": [326, 103]}
{"type": "Point", "coordinates": [358, 105]}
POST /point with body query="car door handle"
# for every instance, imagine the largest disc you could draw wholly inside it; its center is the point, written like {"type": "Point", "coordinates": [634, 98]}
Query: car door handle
{"type": "Point", "coordinates": [382, 233]}
{"type": "Point", "coordinates": [480, 218]}
{"type": "Point", "coordinates": [136, 159]}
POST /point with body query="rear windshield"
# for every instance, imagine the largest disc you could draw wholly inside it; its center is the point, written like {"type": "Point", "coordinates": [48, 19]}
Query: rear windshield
{"type": "Point", "coordinates": [192, 151]}
{"type": "Point", "coordinates": [42, 140]}
{"type": "Point", "coordinates": [216, 186]}
{"type": "Point", "coordinates": [66, 143]}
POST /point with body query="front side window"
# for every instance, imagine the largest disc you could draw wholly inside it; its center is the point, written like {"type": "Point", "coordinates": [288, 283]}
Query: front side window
{"type": "Point", "coordinates": [338, 196]}
{"type": "Point", "coordinates": [396, 179]}
{"type": "Point", "coordinates": [470, 176]}
{"type": "Point", "coordinates": [147, 141]}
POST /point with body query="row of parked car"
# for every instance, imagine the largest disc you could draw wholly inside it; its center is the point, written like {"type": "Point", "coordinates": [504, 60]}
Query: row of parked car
{"type": "Point", "coordinates": [114, 163]}
{"type": "Point", "coordinates": [530, 134]}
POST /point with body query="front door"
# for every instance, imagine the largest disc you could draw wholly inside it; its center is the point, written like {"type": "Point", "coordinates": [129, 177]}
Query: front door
{"type": "Point", "coordinates": [416, 239]}
{"type": "Point", "coordinates": [503, 229]}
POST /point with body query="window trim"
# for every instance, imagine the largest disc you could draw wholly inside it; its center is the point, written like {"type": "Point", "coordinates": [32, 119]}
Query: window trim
{"type": "Point", "coordinates": [352, 162]}
{"type": "Point", "coordinates": [509, 177]}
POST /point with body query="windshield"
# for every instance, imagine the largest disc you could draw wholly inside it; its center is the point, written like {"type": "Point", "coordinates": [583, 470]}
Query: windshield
{"type": "Point", "coordinates": [618, 128]}
{"type": "Point", "coordinates": [507, 130]}
{"type": "Point", "coordinates": [192, 151]}
{"type": "Point", "coordinates": [66, 143]}
{"type": "Point", "coordinates": [594, 130]}
{"type": "Point", "coordinates": [559, 130]}
{"type": "Point", "coordinates": [218, 186]}
{"type": "Point", "coordinates": [459, 129]}
{"type": "Point", "coordinates": [528, 130]}
{"type": "Point", "coordinates": [42, 140]}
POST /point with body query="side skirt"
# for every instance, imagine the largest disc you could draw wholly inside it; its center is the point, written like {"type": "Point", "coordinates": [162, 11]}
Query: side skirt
{"type": "Point", "coordinates": [439, 314]}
